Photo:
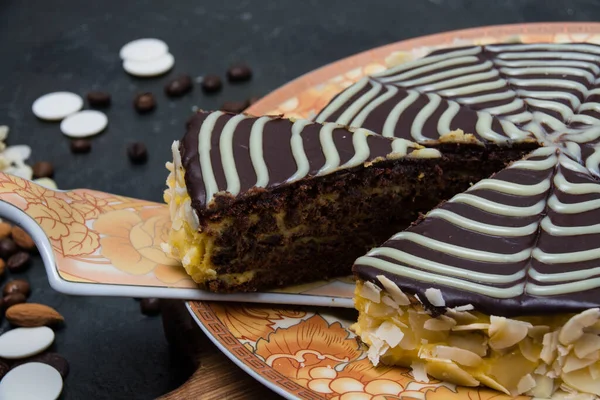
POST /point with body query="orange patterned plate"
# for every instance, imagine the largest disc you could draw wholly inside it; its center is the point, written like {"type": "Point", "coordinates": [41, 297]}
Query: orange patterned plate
{"type": "Point", "coordinates": [304, 353]}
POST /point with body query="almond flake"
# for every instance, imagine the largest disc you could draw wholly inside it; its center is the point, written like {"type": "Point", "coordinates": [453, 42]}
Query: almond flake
{"type": "Point", "coordinates": [393, 290]}
{"type": "Point", "coordinates": [434, 296]}
{"type": "Point", "coordinates": [370, 291]}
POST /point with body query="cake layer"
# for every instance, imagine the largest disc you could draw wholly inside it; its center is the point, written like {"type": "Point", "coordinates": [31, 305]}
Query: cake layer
{"type": "Point", "coordinates": [308, 203]}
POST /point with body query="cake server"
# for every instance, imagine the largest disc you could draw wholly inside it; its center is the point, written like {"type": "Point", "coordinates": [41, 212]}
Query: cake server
{"type": "Point", "coordinates": [101, 244]}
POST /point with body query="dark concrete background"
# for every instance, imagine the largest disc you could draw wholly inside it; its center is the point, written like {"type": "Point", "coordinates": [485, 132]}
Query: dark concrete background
{"type": "Point", "coordinates": [46, 46]}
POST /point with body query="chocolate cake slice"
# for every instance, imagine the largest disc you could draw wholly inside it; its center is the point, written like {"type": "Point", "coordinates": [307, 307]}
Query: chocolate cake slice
{"type": "Point", "coordinates": [259, 203]}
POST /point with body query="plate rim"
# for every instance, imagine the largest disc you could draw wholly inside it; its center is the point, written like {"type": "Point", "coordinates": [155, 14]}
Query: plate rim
{"type": "Point", "coordinates": [329, 71]}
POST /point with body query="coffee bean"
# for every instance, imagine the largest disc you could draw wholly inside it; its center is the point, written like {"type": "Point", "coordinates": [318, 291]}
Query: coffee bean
{"type": "Point", "coordinates": [54, 360]}
{"type": "Point", "coordinates": [137, 152]}
{"type": "Point", "coordinates": [239, 73]}
{"type": "Point", "coordinates": [235, 107]}
{"type": "Point", "coordinates": [211, 83]}
{"type": "Point", "coordinates": [18, 262]}
{"type": "Point", "coordinates": [17, 286]}
{"type": "Point", "coordinates": [144, 103]}
{"type": "Point", "coordinates": [4, 368]}
{"type": "Point", "coordinates": [80, 146]}
{"type": "Point", "coordinates": [2, 268]}
{"type": "Point", "coordinates": [22, 238]}
{"type": "Point", "coordinates": [5, 229]}
{"type": "Point", "coordinates": [12, 299]}
{"type": "Point", "coordinates": [8, 247]}
{"type": "Point", "coordinates": [179, 86]}
{"type": "Point", "coordinates": [150, 306]}
{"type": "Point", "coordinates": [98, 99]}
{"type": "Point", "coordinates": [43, 169]}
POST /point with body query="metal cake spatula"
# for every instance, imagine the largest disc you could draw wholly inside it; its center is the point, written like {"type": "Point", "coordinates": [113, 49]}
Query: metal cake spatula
{"type": "Point", "coordinates": [100, 244]}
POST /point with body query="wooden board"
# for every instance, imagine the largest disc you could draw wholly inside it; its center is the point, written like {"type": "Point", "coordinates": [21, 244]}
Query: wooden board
{"type": "Point", "coordinates": [214, 375]}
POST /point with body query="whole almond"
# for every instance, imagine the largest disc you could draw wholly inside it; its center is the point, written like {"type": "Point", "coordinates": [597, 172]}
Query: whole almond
{"type": "Point", "coordinates": [32, 314]}
{"type": "Point", "coordinates": [22, 238]}
{"type": "Point", "coordinates": [5, 229]}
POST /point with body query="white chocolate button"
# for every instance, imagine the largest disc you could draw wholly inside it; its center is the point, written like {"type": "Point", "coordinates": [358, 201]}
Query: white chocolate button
{"type": "Point", "coordinates": [18, 152]}
{"type": "Point", "coordinates": [31, 381]}
{"type": "Point", "coordinates": [84, 123]}
{"type": "Point", "coordinates": [144, 50]}
{"type": "Point", "coordinates": [25, 342]}
{"type": "Point", "coordinates": [155, 67]}
{"type": "Point", "coordinates": [56, 106]}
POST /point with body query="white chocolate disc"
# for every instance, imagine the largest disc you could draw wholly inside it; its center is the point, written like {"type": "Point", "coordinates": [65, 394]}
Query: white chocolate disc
{"type": "Point", "coordinates": [56, 106]}
{"type": "Point", "coordinates": [31, 381]}
{"type": "Point", "coordinates": [46, 182]}
{"type": "Point", "coordinates": [144, 50]}
{"type": "Point", "coordinates": [25, 342]}
{"type": "Point", "coordinates": [155, 67]}
{"type": "Point", "coordinates": [84, 123]}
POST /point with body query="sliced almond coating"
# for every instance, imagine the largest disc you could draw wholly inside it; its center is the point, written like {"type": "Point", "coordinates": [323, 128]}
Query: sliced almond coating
{"type": "Point", "coordinates": [587, 343]}
{"type": "Point", "coordinates": [377, 348]}
{"type": "Point", "coordinates": [388, 301]}
{"type": "Point", "coordinates": [435, 297]}
{"type": "Point", "coordinates": [461, 317]}
{"type": "Point", "coordinates": [573, 363]}
{"type": "Point", "coordinates": [408, 342]}
{"type": "Point", "coordinates": [505, 332]}
{"type": "Point", "coordinates": [390, 334]}
{"type": "Point", "coordinates": [530, 350]}
{"type": "Point", "coordinates": [471, 327]}
{"type": "Point", "coordinates": [582, 381]}
{"type": "Point", "coordinates": [489, 382]}
{"type": "Point", "coordinates": [526, 384]}
{"type": "Point", "coordinates": [394, 291]}
{"type": "Point", "coordinates": [441, 323]}
{"type": "Point", "coordinates": [573, 328]}
{"type": "Point", "coordinates": [471, 341]}
{"type": "Point", "coordinates": [399, 323]}
{"type": "Point", "coordinates": [379, 310]}
{"type": "Point", "coordinates": [544, 387]}
{"type": "Point", "coordinates": [418, 371]}
{"type": "Point", "coordinates": [594, 371]}
{"type": "Point", "coordinates": [550, 343]}
{"type": "Point", "coordinates": [542, 369]}
{"type": "Point", "coordinates": [537, 332]}
{"type": "Point", "coordinates": [450, 372]}
{"type": "Point", "coordinates": [370, 291]}
{"type": "Point", "coordinates": [460, 356]}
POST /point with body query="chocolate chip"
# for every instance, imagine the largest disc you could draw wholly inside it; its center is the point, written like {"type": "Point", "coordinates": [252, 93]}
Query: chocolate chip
{"type": "Point", "coordinates": [18, 262]}
{"type": "Point", "coordinates": [12, 299]}
{"type": "Point", "coordinates": [54, 360]}
{"type": "Point", "coordinates": [150, 306]}
{"type": "Point", "coordinates": [144, 103]}
{"type": "Point", "coordinates": [179, 86]}
{"type": "Point", "coordinates": [80, 146]}
{"type": "Point", "coordinates": [239, 73]}
{"type": "Point", "coordinates": [235, 107]}
{"type": "Point", "coordinates": [17, 286]}
{"type": "Point", "coordinates": [4, 368]}
{"type": "Point", "coordinates": [98, 99]}
{"type": "Point", "coordinates": [43, 169]}
{"type": "Point", "coordinates": [211, 83]}
{"type": "Point", "coordinates": [137, 152]}
{"type": "Point", "coordinates": [8, 247]}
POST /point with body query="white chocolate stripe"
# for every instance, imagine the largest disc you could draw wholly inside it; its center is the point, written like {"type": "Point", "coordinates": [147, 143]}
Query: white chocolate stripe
{"type": "Point", "coordinates": [564, 288]}
{"type": "Point", "coordinates": [562, 71]}
{"type": "Point", "coordinates": [574, 188]}
{"type": "Point", "coordinates": [563, 276]}
{"type": "Point", "coordinates": [341, 99]}
{"type": "Point", "coordinates": [498, 208]}
{"type": "Point", "coordinates": [256, 152]}
{"type": "Point", "coordinates": [545, 46]}
{"type": "Point", "coordinates": [419, 122]}
{"type": "Point", "coordinates": [549, 63]}
{"type": "Point", "coordinates": [389, 125]}
{"type": "Point", "coordinates": [463, 252]}
{"type": "Point", "coordinates": [466, 79]}
{"type": "Point", "coordinates": [359, 120]}
{"type": "Point", "coordinates": [562, 258]}
{"type": "Point", "coordinates": [444, 269]}
{"type": "Point", "coordinates": [204, 138]}
{"type": "Point", "coordinates": [226, 147]}
{"type": "Point", "coordinates": [442, 279]}
{"type": "Point", "coordinates": [593, 162]}
{"type": "Point", "coordinates": [572, 208]}
{"type": "Point", "coordinates": [472, 225]}
{"type": "Point", "coordinates": [443, 126]}
{"type": "Point", "coordinates": [556, 230]}
{"type": "Point", "coordinates": [361, 148]}
{"type": "Point", "coordinates": [302, 163]}
{"type": "Point", "coordinates": [462, 71]}
{"type": "Point", "coordinates": [550, 95]}
{"type": "Point", "coordinates": [332, 157]}
{"type": "Point", "coordinates": [357, 105]}
{"type": "Point", "coordinates": [567, 55]}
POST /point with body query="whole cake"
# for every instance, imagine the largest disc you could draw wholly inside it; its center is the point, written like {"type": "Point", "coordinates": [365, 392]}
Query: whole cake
{"type": "Point", "coordinates": [500, 285]}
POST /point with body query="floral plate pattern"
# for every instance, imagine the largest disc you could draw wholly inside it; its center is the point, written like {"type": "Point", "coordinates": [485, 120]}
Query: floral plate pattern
{"type": "Point", "coordinates": [310, 353]}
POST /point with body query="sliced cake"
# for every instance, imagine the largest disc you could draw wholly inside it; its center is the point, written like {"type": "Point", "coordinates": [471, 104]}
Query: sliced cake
{"type": "Point", "coordinates": [258, 203]}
